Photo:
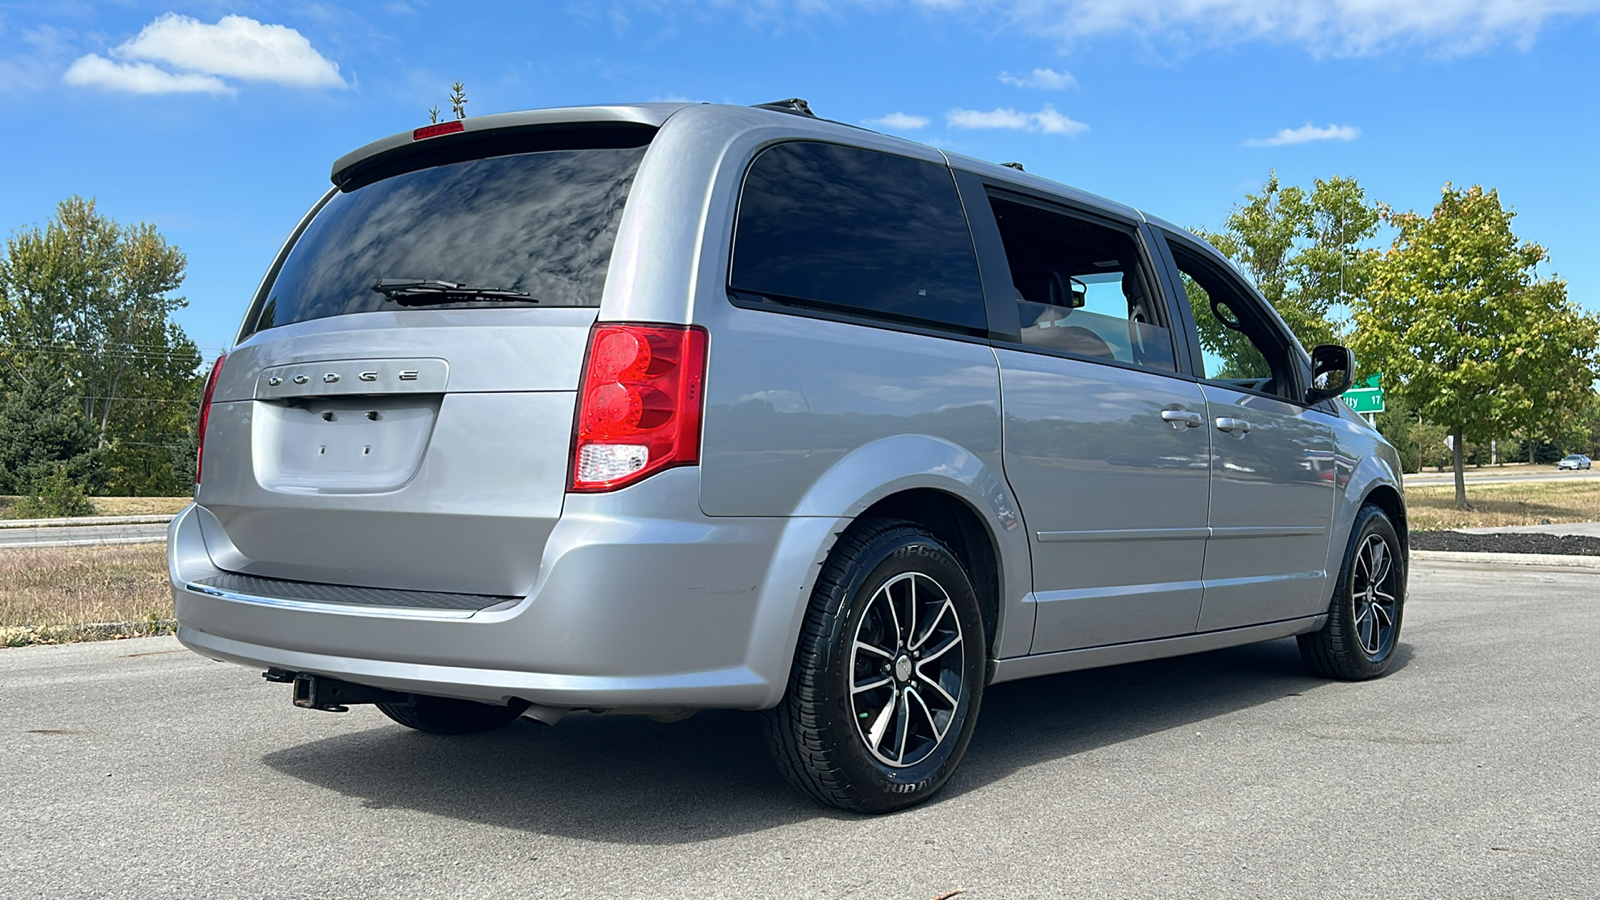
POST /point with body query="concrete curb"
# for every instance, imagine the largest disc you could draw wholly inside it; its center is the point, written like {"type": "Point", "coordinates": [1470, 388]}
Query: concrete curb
{"type": "Point", "coordinates": [1507, 559]}
{"type": "Point", "coordinates": [86, 520]}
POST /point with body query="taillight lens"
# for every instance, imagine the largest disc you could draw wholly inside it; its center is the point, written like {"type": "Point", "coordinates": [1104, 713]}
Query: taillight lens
{"type": "Point", "coordinates": [639, 404]}
{"type": "Point", "coordinates": [205, 415]}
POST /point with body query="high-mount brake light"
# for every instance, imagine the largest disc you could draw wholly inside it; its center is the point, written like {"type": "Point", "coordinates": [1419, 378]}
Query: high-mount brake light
{"type": "Point", "coordinates": [639, 405]}
{"type": "Point", "coordinates": [428, 131]}
{"type": "Point", "coordinates": [205, 415]}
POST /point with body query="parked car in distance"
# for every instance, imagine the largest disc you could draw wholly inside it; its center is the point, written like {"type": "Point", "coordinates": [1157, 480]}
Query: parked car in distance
{"type": "Point", "coordinates": [1574, 461]}
{"type": "Point", "coordinates": [667, 407]}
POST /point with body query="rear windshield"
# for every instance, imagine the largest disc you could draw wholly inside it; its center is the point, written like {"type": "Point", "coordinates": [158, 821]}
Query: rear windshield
{"type": "Point", "coordinates": [541, 224]}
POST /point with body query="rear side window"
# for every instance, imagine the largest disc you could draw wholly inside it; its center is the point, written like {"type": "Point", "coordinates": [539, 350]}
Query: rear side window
{"type": "Point", "coordinates": [541, 224]}
{"type": "Point", "coordinates": [857, 231]}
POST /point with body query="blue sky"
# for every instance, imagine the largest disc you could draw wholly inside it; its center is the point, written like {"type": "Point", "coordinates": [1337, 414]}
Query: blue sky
{"type": "Point", "coordinates": [218, 121]}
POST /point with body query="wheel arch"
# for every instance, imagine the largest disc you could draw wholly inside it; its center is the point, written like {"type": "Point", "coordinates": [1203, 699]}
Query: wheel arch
{"type": "Point", "coordinates": [958, 526]}
{"type": "Point", "coordinates": [959, 495]}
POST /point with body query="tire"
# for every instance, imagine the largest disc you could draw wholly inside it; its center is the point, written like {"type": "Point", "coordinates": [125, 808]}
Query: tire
{"type": "Point", "coordinates": [888, 673]}
{"type": "Point", "coordinates": [1364, 619]}
{"type": "Point", "coordinates": [441, 715]}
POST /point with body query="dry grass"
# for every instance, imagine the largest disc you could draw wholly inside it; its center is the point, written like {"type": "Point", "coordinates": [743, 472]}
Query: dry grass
{"type": "Point", "coordinates": [1432, 507]}
{"type": "Point", "coordinates": [57, 594]}
{"type": "Point", "coordinates": [120, 506]}
{"type": "Point", "coordinates": [139, 506]}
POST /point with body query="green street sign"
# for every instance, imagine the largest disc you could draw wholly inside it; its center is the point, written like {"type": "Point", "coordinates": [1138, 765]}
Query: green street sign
{"type": "Point", "coordinates": [1364, 400]}
{"type": "Point", "coordinates": [1365, 396]}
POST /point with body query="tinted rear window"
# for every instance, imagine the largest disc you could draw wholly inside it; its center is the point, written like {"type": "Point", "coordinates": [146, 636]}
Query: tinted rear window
{"type": "Point", "coordinates": [540, 223]}
{"type": "Point", "coordinates": [858, 231]}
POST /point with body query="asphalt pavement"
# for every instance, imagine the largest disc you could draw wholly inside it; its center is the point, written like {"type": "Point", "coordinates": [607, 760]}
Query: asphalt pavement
{"type": "Point", "coordinates": [136, 769]}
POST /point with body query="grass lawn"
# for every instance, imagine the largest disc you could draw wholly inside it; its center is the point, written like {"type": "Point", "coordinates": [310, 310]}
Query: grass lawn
{"type": "Point", "coordinates": [57, 594]}
{"type": "Point", "coordinates": [139, 506]}
{"type": "Point", "coordinates": [1432, 507]}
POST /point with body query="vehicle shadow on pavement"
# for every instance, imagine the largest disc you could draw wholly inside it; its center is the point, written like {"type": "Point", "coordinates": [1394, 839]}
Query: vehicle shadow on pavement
{"type": "Point", "coordinates": [626, 779]}
{"type": "Point", "coordinates": [1040, 719]}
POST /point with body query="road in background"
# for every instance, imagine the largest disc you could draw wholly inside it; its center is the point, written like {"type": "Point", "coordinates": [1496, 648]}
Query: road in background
{"type": "Point", "coordinates": [82, 535]}
{"type": "Point", "coordinates": [137, 769]}
{"type": "Point", "coordinates": [1511, 477]}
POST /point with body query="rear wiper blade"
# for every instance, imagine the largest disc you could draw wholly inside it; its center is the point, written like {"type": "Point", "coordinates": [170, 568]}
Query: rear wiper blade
{"type": "Point", "coordinates": [415, 292]}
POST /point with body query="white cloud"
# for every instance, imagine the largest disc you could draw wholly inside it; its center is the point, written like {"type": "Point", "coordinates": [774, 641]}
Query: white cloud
{"type": "Point", "coordinates": [1044, 79]}
{"type": "Point", "coordinates": [900, 121]}
{"type": "Point", "coordinates": [1305, 134]}
{"type": "Point", "coordinates": [1047, 120]}
{"type": "Point", "coordinates": [235, 47]}
{"type": "Point", "coordinates": [138, 78]}
{"type": "Point", "coordinates": [1339, 27]}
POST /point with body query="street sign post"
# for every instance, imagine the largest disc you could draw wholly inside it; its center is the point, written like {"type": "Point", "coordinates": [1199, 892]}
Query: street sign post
{"type": "Point", "coordinates": [1365, 397]}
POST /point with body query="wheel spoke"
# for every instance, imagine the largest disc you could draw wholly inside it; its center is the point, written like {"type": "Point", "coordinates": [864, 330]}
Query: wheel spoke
{"type": "Point", "coordinates": [888, 600]}
{"type": "Point", "coordinates": [871, 685]}
{"type": "Point", "coordinates": [1363, 610]}
{"type": "Point", "coordinates": [1388, 620]}
{"type": "Point", "coordinates": [933, 683]}
{"type": "Point", "coordinates": [903, 720]}
{"type": "Point", "coordinates": [881, 724]}
{"type": "Point", "coordinates": [933, 626]}
{"type": "Point", "coordinates": [911, 613]}
{"type": "Point", "coordinates": [938, 733]}
{"type": "Point", "coordinates": [1379, 569]}
{"type": "Point", "coordinates": [944, 648]}
{"type": "Point", "coordinates": [1366, 632]}
{"type": "Point", "coordinates": [886, 654]}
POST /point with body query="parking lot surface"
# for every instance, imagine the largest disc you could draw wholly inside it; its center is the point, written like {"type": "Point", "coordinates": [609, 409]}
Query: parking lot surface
{"type": "Point", "coordinates": [136, 769]}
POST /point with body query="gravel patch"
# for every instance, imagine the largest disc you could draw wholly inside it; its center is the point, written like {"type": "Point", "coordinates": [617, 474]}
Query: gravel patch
{"type": "Point", "coordinates": [1558, 544]}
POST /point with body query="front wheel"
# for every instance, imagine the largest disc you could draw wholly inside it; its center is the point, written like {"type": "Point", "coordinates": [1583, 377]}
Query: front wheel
{"type": "Point", "coordinates": [1363, 626]}
{"type": "Point", "coordinates": [888, 674]}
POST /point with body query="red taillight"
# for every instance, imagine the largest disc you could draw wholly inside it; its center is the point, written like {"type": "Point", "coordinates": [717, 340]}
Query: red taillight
{"type": "Point", "coordinates": [639, 404]}
{"type": "Point", "coordinates": [428, 131]}
{"type": "Point", "coordinates": [205, 415]}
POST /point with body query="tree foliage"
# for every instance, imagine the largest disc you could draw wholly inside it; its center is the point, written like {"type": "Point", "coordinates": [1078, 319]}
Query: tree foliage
{"type": "Point", "coordinates": [1459, 322]}
{"type": "Point", "coordinates": [1303, 249]}
{"type": "Point", "coordinates": [86, 307]}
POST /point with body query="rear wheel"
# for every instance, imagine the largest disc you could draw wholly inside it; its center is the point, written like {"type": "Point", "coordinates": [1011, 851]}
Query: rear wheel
{"type": "Point", "coordinates": [888, 674]}
{"type": "Point", "coordinates": [1363, 626]}
{"type": "Point", "coordinates": [441, 715]}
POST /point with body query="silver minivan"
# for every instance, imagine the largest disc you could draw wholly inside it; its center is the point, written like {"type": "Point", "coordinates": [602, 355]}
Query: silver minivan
{"type": "Point", "coordinates": [667, 407]}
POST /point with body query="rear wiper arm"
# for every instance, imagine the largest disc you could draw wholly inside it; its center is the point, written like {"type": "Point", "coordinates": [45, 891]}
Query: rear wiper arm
{"type": "Point", "coordinates": [414, 292]}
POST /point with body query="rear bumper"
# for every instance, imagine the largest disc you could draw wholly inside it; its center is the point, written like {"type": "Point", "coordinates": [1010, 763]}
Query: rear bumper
{"type": "Point", "coordinates": [630, 609]}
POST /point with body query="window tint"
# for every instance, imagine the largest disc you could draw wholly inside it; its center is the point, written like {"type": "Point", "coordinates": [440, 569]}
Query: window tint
{"type": "Point", "coordinates": [1080, 287]}
{"type": "Point", "coordinates": [859, 231]}
{"type": "Point", "coordinates": [1237, 345]}
{"type": "Point", "coordinates": [539, 223]}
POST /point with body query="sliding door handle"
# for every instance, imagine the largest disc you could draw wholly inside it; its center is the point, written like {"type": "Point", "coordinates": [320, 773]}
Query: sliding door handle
{"type": "Point", "coordinates": [1233, 426]}
{"type": "Point", "coordinates": [1182, 418]}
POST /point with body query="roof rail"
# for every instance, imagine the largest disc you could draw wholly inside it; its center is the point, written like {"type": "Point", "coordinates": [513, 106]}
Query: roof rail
{"type": "Point", "coordinates": [794, 106]}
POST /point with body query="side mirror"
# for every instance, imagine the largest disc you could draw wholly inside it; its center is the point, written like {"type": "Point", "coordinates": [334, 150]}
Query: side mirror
{"type": "Point", "coordinates": [1332, 371]}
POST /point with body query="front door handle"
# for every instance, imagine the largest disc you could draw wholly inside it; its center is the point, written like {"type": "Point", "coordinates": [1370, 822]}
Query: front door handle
{"type": "Point", "coordinates": [1181, 418]}
{"type": "Point", "coordinates": [1233, 426]}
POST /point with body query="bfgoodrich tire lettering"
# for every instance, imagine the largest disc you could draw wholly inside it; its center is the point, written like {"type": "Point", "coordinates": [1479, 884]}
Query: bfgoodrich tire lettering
{"type": "Point", "coordinates": [1364, 618]}
{"type": "Point", "coordinates": [888, 673]}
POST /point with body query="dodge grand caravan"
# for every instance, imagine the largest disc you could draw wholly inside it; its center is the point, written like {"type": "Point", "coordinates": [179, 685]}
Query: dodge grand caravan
{"type": "Point", "coordinates": [665, 407]}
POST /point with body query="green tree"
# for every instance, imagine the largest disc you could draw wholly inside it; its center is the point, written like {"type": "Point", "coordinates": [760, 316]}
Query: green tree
{"type": "Point", "coordinates": [87, 303]}
{"type": "Point", "coordinates": [1461, 325]}
{"type": "Point", "coordinates": [1303, 249]}
{"type": "Point", "coordinates": [42, 432]}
